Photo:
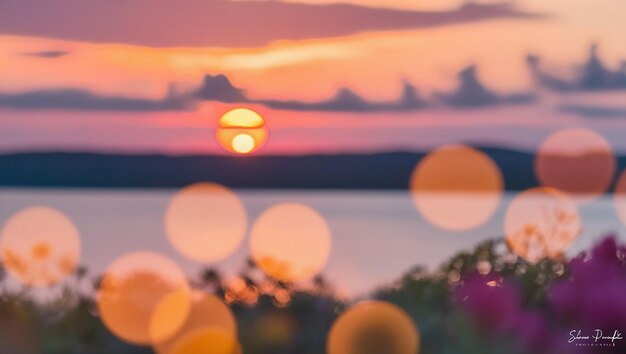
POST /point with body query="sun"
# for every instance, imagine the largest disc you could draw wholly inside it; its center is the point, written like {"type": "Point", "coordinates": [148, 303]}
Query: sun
{"type": "Point", "coordinates": [243, 143]}
{"type": "Point", "coordinates": [241, 131]}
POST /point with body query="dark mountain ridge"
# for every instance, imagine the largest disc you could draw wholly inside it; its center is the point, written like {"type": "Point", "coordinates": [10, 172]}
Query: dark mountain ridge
{"type": "Point", "coordinates": [345, 171]}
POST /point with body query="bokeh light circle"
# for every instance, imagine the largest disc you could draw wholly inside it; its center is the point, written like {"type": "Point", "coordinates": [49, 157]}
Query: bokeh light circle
{"type": "Point", "coordinates": [208, 340]}
{"type": "Point", "coordinates": [373, 327]}
{"type": "Point", "coordinates": [40, 246]}
{"type": "Point", "coordinates": [576, 161]}
{"type": "Point", "coordinates": [456, 187]}
{"type": "Point", "coordinates": [541, 223]}
{"type": "Point", "coordinates": [210, 328]}
{"type": "Point", "coordinates": [143, 298]}
{"type": "Point", "coordinates": [241, 131]}
{"type": "Point", "coordinates": [290, 242]}
{"type": "Point", "coordinates": [206, 222]}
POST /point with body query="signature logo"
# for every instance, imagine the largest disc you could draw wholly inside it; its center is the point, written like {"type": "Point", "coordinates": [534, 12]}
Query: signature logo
{"type": "Point", "coordinates": [596, 338]}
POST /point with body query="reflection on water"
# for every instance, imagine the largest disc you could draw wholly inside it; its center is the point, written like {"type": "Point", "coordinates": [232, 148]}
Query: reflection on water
{"type": "Point", "coordinates": [377, 235]}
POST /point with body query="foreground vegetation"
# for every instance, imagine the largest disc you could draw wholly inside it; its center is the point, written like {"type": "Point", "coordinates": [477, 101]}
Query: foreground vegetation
{"type": "Point", "coordinates": [484, 301]}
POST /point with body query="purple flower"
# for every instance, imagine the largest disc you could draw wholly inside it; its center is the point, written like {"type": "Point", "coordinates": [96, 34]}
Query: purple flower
{"type": "Point", "coordinates": [595, 296]}
{"type": "Point", "coordinates": [492, 302]}
{"type": "Point", "coordinates": [532, 330]}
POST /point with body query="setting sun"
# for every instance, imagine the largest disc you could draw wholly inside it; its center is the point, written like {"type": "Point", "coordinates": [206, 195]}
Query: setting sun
{"type": "Point", "coordinates": [241, 131]}
{"type": "Point", "coordinates": [243, 143]}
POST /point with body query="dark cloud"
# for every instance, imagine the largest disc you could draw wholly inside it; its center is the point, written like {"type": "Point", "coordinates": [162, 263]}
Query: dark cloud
{"type": "Point", "coordinates": [344, 100]}
{"type": "Point", "coordinates": [593, 75]}
{"type": "Point", "coordinates": [213, 88]}
{"type": "Point", "coordinates": [590, 111]}
{"type": "Point", "coordinates": [47, 54]}
{"type": "Point", "coordinates": [163, 23]}
{"type": "Point", "coordinates": [473, 93]}
{"type": "Point", "coordinates": [82, 100]}
{"type": "Point", "coordinates": [347, 100]}
{"type": "Point", "coordinates": [219, 88]}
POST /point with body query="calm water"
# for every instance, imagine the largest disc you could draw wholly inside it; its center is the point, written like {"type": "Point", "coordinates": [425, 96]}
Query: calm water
{"type": "Point", "coordinates": [377, 235]}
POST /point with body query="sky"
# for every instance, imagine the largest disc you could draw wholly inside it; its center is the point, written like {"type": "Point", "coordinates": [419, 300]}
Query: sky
{"type": "Point", "coordinates": [354, 76]}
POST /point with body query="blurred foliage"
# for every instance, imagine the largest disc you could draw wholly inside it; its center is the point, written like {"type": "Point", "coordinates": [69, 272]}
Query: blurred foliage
{"type": "Point", "coordinates": [484, 301]}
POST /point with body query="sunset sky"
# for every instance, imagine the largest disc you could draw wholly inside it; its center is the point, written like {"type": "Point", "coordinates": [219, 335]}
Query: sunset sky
{"type": "Point", "coordinates": [329, 76]}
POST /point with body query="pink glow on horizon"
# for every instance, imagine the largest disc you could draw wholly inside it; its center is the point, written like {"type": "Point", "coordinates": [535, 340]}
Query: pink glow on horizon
{"type": "Point", "coordinates": [292, 133]}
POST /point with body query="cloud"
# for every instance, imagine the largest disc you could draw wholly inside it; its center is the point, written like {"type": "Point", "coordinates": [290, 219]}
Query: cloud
{"type": "Point", "coordinates": [219, 88]}
{"type": "Point", "coordinates": [47, 54]}
{"type": "Point", "coordinates": [593, 75]}
{"type": "Point", "coordinates": [346, 100]}
{"type": "Point", "coordinates": [201, 23]}
{"type": "Point", "coordinates": [213, 88]}
{"type": "Point", "coordinates": [590, 111]}
{"type": "Point", "coordinates": [82, 100]}
{"type": "Point", "coordinates": [472, 93]}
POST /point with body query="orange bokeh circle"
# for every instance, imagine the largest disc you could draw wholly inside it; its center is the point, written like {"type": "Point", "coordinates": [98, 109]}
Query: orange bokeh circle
{"type": "Point", "coordinates": [206, 222]}
{"type": "Point", "coordinates": [290, 242]}
{"type": "Point", "coordinates": [541, 223]}
{"type": "Point", "coordinates": [207, 340]}
{"type": "Point", "coordinates": [211, 326]}
{"type": "Point", "coordinates": [457, 187]}
{"type": "Point", "coordinates": [241, 131]}
{"type": "Point", "coordinates": [143, 298]}
{"type": "Point", "coordinates": [576, 161]}
{"type": "Point", "coordinates": [40, 246]}
{"type": "Point", "coordinates": [373, 327]}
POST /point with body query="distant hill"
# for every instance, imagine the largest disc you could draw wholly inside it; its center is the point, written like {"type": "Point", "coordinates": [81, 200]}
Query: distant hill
{"type": "Point", "coordinates": [375, 171]}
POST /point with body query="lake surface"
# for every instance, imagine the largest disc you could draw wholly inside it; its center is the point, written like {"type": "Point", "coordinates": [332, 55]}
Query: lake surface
{"type": "Point", "coordinates": [376, 235]}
